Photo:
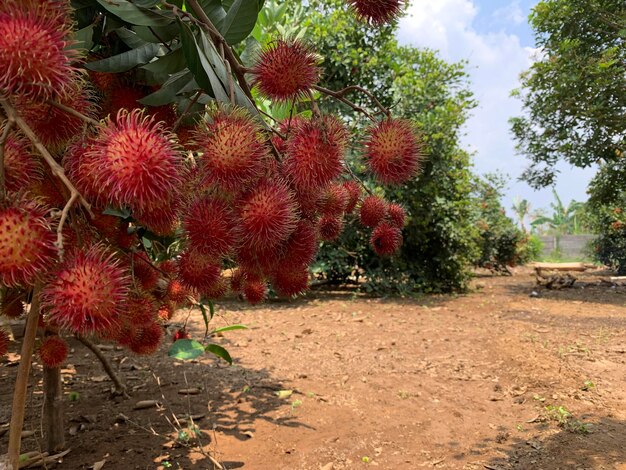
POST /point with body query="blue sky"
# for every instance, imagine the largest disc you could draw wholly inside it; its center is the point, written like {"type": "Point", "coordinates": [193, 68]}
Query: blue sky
{"type": "Point", "coordinates": [494, 37]}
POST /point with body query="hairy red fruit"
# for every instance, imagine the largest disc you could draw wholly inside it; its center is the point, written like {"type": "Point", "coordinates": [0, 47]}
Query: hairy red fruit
{"type": "Point", "coordinates": [335, 200]}
{"type": "Point", "coordinates": [53, 351]}
{"type": "Point", "coordinates": [393, 151]}
{"type": "Point", "coordinates": [211, 226]}
{"type": "Point", "coordinates": [87, 293]}
{"type": "Point", "coordinates": [233, 150]}
{"type": "Point", "coordinates": [373, 210]}
{"type": "Point", "coordinates": [160, 218]}
{"type": "Point", "coordinates": [354, 193]}
{"type": "Point", "coordinates": [286, 70]}
{"type": "Point", "coordinates": [396, 215]}
{"type": "Point", "coordinates": [107, 225]}
{"type": "Point", "coordinates": [12, 303]}
{"type": "Point", "coordinates": [146, 339]}
{"type": "Point", "coordinates": [144, 272]}
{"type": "Point", "coordinates": [21, 167]}
{"type": "Point", "coordinates": [330, 227]}
{"type": "Point", "coordinates": [76, 164]}
{"type": "Point", "coordinates": [377, 12]}
{"type": "Point", "coordinates": [237, 279]}
{"type": "Point", "coordinates": [34, 59]}
{"type": "Point", "coordinates": [217, 290]}
{"type": "Point", "coordinates": [126, 239]}
{"type": "Point", "coordinates": [259, 259]}
{"type": "Point", "coordinates": [180, 334]}
{"type": "Point", "coordinates": [386, 239]}
{"type": "Point", "coordinates": [315, 152]}
{"type": "Point", "coordinates": [198, 271]}
{"type": "Point", "coordinates": [177, 291]}
{"type": "Point", "coordinates": [309, 202]}
{"type": "Point", "coordinates": [140, 307]}
{"type": "Point", "coordinates": [268, 215]}
{"type": "Point", "coordinates": [134, 162]}
{"type": "Point", "coordinates": [26, 242]}
{"type": "Point", "coordinates": [254, 289]}
{"type": "Point", "coordinates": [166, 312]}
{"type": "Point", "coordinates": [301, 247]}
{"type": "Point", "coordinates": [291, 279]}
{"type": "Point", "coordinates": [4, 343]}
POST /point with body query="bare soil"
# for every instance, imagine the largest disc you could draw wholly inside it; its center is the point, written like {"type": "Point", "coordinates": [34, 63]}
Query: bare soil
{"type": "Point", "coordinates": [341, 381]}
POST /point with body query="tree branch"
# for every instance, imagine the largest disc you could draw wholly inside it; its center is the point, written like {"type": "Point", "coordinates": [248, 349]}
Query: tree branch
{"type": "Point", "coordinates": [338, 95]}
{"type": "Point", "coordinates": [73, 112]}
{"type": "Point", "coordinates": [120, 388]}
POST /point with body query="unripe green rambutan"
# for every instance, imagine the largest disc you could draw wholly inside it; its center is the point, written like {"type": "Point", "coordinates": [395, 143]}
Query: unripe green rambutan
{"type": "Point", "coordinates": [211, 226]}
{"type": "Point", "coordinates": [26, 242]}
{"type": "Point", "coordinates": [373, 210]}
{"type": "Point", "coordinates": [393, 151]}
{"type": "Point", "coordinates": [377, 12]}
{"type": "Point", "coordinates": [232, 150]}
{"type": "Point", "coordinates": [286, 70]}
{"type": "Point", "coordinates": [4, 343]}
{"type": "Point", "coordinates": [315, 151]}
{"type": "Point", "coordinates": [86, 294]}
{"type": "Point", "coordinates": [396, 214]}
{"type": "Point", "coordinates": [330, 227]}
{"type": "Point", "coordinates": [21, 168]}
{"type": "Point", "coordinates": [53, 351]}
{"type": "Point", "coordinates": [386, 239]}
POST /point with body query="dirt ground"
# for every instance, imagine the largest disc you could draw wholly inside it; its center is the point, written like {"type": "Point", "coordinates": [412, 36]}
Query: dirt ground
{"type": "Point", "coordinates": [495, 379]}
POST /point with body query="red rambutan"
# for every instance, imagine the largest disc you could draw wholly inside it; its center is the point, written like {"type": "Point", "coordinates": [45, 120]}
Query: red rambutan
{"type": "Point", "coordinates": [53, 351]}
{"type": "Point", "coordinates": [354, 193]}
{"type": "Point", "coordinates": [198, 271]}
{"type": "Point", "coordinates": [146, 339]}
{"type": "Point", "coordinates": [315, 152]}
{"type": "Point", "coordinates": [34, 58]}
{"type": "Point", "coordinates": [291, 279]}
{"type": "Point", "coordinates": [21, 167]}
{"type": "Point", "coordinates": [396, 215]}
{"type": "Point", "coordinates": [386, 239]}
{"type": "Point", "coordinates": [301, 246]}
{"type": "Point", "coordinates": [134, 162]}
{"type": "Point", "coordinates": [160, 218]}
{"type": "Point", "coordinates": [268, 215]}
{"type": "Point", "coordinates": [232, 148]}
{"type": "Point", "coordinates": [211, 226]}
{"type": "Point", "coordinates": [286, 70]}
{"type": "Point", "coordinates": [237, 280]}
{"type": "Point", "coordinates": [177, 291]}
{"type": "Point", "coordinates": [373, 210]}
{"type": "Point", "coordinates": [4, 342]}
{"type": "Point", "coordinates": [180, 334]}
{"type": "Point", "coordinates": [126, 238]}
{"type": "Point", "coordinates": [87, 293]}
{"type": "Point", "coordinates": [140, 307]}
{"type": "Point", "coordinates": [166, 312]}
{"type": "Point", "coordinates": [107, 225]}
{"type": "Point", "coordinates": [12, 304]}
{"type": "Point", "coordinates": [393, 151]}
{"type": "Point", "coordinates": [26, 242]}
{"type": "Point", "coordinates": [254, 289]}
{"type": "Point", "coordinates": [144, 271]}
{"type": "Point", "coordinates": [335, 200]}
{"type": "Point", "coordinates": [217, 290]}
{"type": "Point", "coordinates": [377, 12]}
{"type": "Point", "coordinates": [330, 227]}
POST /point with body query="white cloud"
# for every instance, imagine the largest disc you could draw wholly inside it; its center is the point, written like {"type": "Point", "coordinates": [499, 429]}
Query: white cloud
{"type": "Point", "coordinates": [496, 58]}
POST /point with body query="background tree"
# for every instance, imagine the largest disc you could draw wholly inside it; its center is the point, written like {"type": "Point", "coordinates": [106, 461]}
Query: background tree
{"type": "Point", "coordinates": [521, 207]}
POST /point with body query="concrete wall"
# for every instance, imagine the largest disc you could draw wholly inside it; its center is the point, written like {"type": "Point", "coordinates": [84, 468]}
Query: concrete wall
{"type": "Point", "coordinates": [572, 246]}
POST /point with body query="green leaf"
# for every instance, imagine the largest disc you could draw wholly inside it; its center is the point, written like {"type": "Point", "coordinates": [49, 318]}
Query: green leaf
{"type": "Point", "coordinates": [219, 352]}
{"type": "Point", "coordinates": [157, 33]}
{"type": "Point", "coordinates": [214, 10]}
{"type": "Point", "coordinates": [126, 60]}
{"type": "Point", "coordinates": [130, 38]}
{"type": "Point", "coordinates": [211, 309]}
{"type": "Point", "coordinates": [133, 14]}
{"type": "Point", "coordinates": [239, 20]}
{"type": "Point", "coordinates": [168, 91]}
{"type": "Point", "coordinates": [169, 63]}
{"type": "Point", "coordinates": [83, 38]}
{"type": "Point", "coordinates": [186, 349]}
{"type": "Point", "coordinates": [121, 213]}
{"type": "Point", "coordinates": [229, 328]}
{"type": "Point", "coordinates": [205, 318]}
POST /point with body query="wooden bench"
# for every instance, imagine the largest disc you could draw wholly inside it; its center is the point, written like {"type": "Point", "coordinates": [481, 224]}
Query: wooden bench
{"type": "Point", "coordinates": [556, 280]}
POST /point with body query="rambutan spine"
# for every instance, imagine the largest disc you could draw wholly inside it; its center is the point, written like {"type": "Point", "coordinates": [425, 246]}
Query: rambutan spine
{"type": "Point", "coordinates": [53, 351]}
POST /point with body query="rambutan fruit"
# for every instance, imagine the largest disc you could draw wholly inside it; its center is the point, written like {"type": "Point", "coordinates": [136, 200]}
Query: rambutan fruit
{"type": "Point", "coordinates": [12, 304]}
{"type": "Point", "coordinates": [237, 280]}
{"type": "Point", "coordinates": [373, 210]}
{"type": "Point", "coordinates": [291, 279]}
{"type": "Point", "coordinates": [177, 292]}
{"type": "Point", "coordinates": [396, 214]}
{"type": "Point", "coordinates": [335, 200]}
{"type": "Point", "coordinates": [160, 218]}
{"type": "Point", "coordinates": [259, 258]}
{"type": "Point", "coordinates": [4, 342]}
{"type": "Point", "coordinates": [166, 312]}
{"type": "Point", "coordinates": [27, 247]}
{"type": "Point", "coordinates": [211, 226]}
{"type": "Point", "coordinates": [87, 293]}
{"type": "Point", "coordinates": [77, 164]}
{"type": "Point", "coordinates": [330, 227]}
{"type": "Point", "coordinates": [53, 351]}
{"type": "Point", "coordinates": [377, 12]}
{"type": "Point", "coordinates": [34, 58]}
{"type": "Point", "coordinates": [309, 202]}
{"type": "Point", "coordinates": [354, 193]}
{"type": "Point", "coordinates": [126, 238]}
{"type": "Point", "coordinates": [140, 307]}
{"type": "Point", "coordinates": [181, 333]}
{"type": "Point", "coordinates": [144, 272]}
{"type": "Point", "coordinates": [134, 163]}
{"type": "Point", "coordinates": [393, 151]}
{"type": "Point", "coordinates": [218, 290]}
{"type": "Point", "coordinates": [315, 151]}
{"type": "Point", "coordinates": [301, 247]}
{"type": "Point", "coordinates": [286, 70]}
{"type": "Point", "coordinates": [386, 239]}
{"type": "Point", "coordinates": [107, 225]}
{"type": "Point", "coordinates": [198, 271]}
{"type": "Point", "coordinates": [268, 215]}
{"type": "Point", "coordinates": [254, 289]}
{"type": "Point", "coordinates": [21, 167]}
{"type": "Point", "coordinates": [232, 150]}
{"type": "Point", "coordinates": [48, 190]}
{"type": "Point", "coordinates": [146, 339]}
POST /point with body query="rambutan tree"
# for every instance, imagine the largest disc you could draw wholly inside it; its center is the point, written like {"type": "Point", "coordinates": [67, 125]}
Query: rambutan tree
{"type": "Point", "coordinates": [141, 172]}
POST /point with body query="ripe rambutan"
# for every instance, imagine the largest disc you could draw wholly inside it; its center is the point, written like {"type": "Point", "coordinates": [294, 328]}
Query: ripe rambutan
{"type": "Point", "coordinates": [12, 304]}
{"type": "Point", "coordinates": [21, 167]}
{"type": "Point", "coordinates": [373, 210]}
{"type": "Point", "coordinates": [26, 242]}
{"type": "Point", "coordinates": [144, 271]}
{"type": "Point", "coordinates": [335, 200]}
{"type": "Point", "coordinates": [160, 218]}
{"type": "Point", "coordinates": [354, 193]}
{"type": "Point", "coordinates": [34, 58]}
{"type": "Point", "coordinates": [87, 293]}
{"type": "Point", "coordinates": [315, 152]}
{"type": "Point", "coordinates": [146, 339]}
{"type": "Point", "coordinates": [126, 238]}
{"type": "Point", "coordinates": [180, 334]}
{"type": "Point", "coordinates": [396, 215]}
{"type": "Point", "coordinates": [291, 279]}
{"type": "Point", "coordinates": [309, 202]}
{"type": "Point", "coordinates": [377, 12]}
{"type": "Point", "coordinates": [286, 70]}
{"type": "Point", "coordinates": [254, 289]}
{"type": "Point", "coordinates": [140, 307]}
{"type": "Point", "coordinates": [177, 292]}
{"type": "Point", "coordinates": [301, 246]}
{"type": "Point", "coordinates": [107, 225]}
{"type": "Point", "coordinates": [232, 148]}
{"type": "Point", "coordinates": [393, 151]}
{"type": "Point", "coordinates": [217, 290]}
{"type": "Point", "coordinates": [211, 226]}
{"type": "Point", "coordinates": [134, 163]}
{"type": "Point", "coordinates": [166, 312]}
{"type": "Point", "coordinates": [77, 165]}
{"type": "Point", "coordinates": [53, 351]}
{"type": "Point", "coordinates": [259, 259]}
{"type": "Point", "coordinates": [198, 271]}
{"type": "Point", "coordinates": [4, 342]}
{"type": "Point", "coordinates": [268, 215]}
{"type": "Point", "coordinates": [386, 239]}
{"type": "Point", "coordinates": [330, 227]}
{"type": "Point", "coordinates": [237, 280]}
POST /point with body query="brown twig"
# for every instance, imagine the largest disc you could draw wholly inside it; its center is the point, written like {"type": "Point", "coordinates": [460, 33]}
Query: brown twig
{"type": "Point", "coordinates": [66, 210]}
{"type": "Point", "coordinates": [357, 179]}
{"type": "Point", "coordinates": [57, 170]}
{"type": "Point", "coordinates": [120, 388]}
{"type": "Point", "coordinates": [193, 101]}
{"type": "Point", "coordinates": [159, 38]}
{"type": "Point", "coordinates": [73, 112]}
{"type": "Point", "coordinates": [338, 95]}
{"type": "Point", "coordinates": [3, 141]}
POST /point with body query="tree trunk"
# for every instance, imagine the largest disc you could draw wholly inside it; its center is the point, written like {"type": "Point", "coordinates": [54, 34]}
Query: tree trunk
{"type": "Point", "coordinates": [54, 426]}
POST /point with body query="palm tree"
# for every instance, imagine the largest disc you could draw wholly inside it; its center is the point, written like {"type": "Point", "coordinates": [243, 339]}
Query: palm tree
{"type": "Point", "coordinates": [564, 220]}
{"type": "Point", "coordinates": [521, 207]}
